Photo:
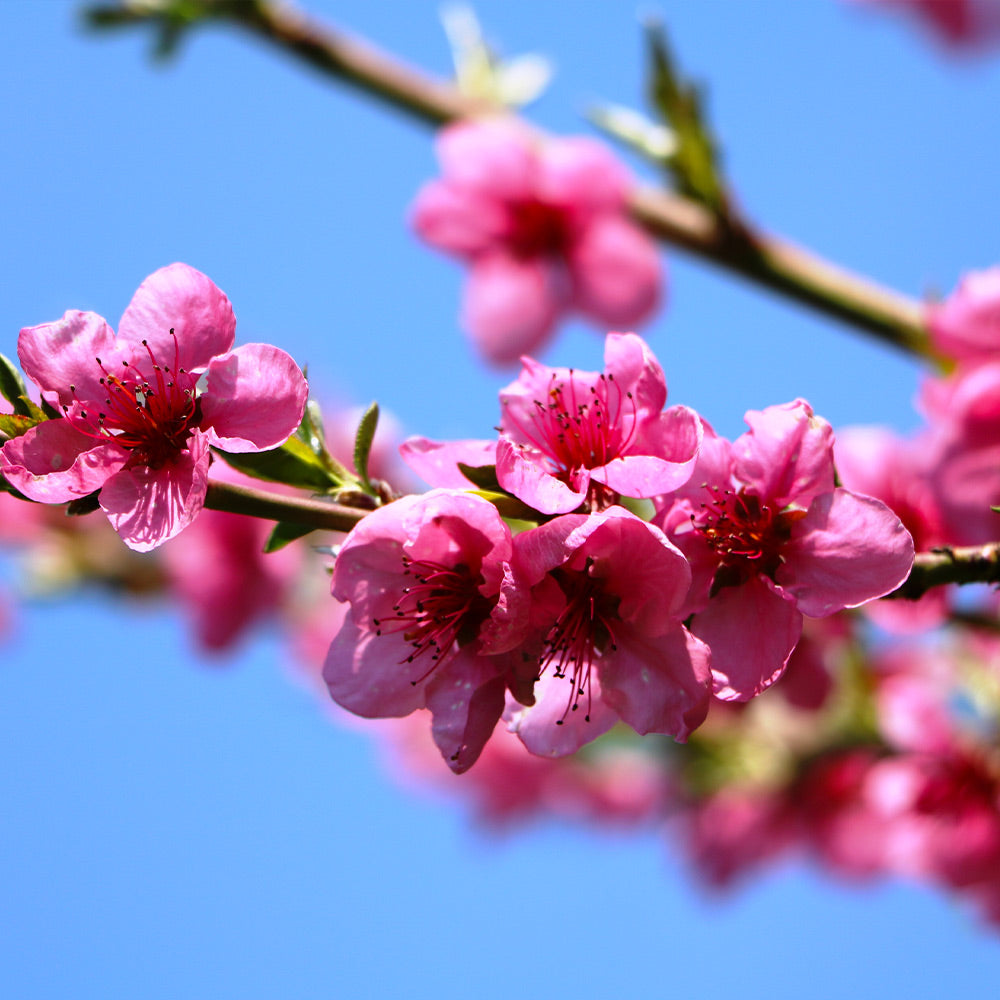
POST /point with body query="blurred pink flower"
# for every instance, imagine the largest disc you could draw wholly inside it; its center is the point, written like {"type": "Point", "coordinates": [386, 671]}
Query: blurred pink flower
{"type": "Point", "coordinates": [136, 425]}
{"type": "Point", "coordinates": [542, 224]}
{"type": "Point", "coordinates": [966, 325]}
{"type": "Point", "coordinates": [964, 415]}
{"type": "Point", "coordinates": [617, 784]}
{"type": "Point", "coordinates": [220, 575]}
{"type": "Point", "coordinates": [877, 462]}
{"type": "Point", "coordinates": [960, 24]}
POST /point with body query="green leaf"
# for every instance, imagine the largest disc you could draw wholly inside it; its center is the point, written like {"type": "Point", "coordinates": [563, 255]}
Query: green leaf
{"type": "Point", "coordinates": [12, 385]}
{"type": "Point", "coordinates": [84, 505]}
{"type": "Point", "coordinates": [693, 163]}
{"type": "Point", "coordinates": [312, 433]}
{"type": "Point", "coordinates": [283, 534]}
{"type": "Point", "coordinates": [363, 445]}
{"type": "Point", "coordinates": [483, 476]}
{"type": "Point", "coordinates": [509, 506]}
{"type": "Point", "coordinates": [293, 463]}
{"type": "Point", "coordinates": [13, 425]}
{"type": "Point", "coordinates": [311, 428]}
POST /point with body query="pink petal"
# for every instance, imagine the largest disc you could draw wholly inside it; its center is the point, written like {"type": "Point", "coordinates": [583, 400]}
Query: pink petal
{"type": "Point", "coordinates": [436, 462]}
{"type": "Point", "coordinates": [751, 630]}
{"type": "Point", "coordinates": [254, 400]}
{"type": "Point", "coordinates": [511, 306]}
{"type": "Point", "coordinates": [643, 475]}
{"type": "Point", "coordinates": [54, 462]}
{"type": "Point", "coordinates": [617, 272]}
{"type": "Point", "coordinates": [847, 550]}
{"type": "Point", "coordinates": [367, 673]}
{"type": "Point", "coordinates": [63, 353]}
{"type": "Point", "coordinates": [633, 558]}
{"type": "Point", "coordinates": [550, 728]}
{"type": "Point", "coordinates": [658, 685]}
{"type": "Point", "coordinates": [466, 703]}
{"type": "Point", "coordinates": [521, 471]}
{"type": "Point", "coordinates": [966, 325]}
{"type": "Point", "coordinates": [582, 174]}
{"type": "Point", "coordinates": [184, 300]}
{"type": "Point", "coordinates": [456, 219]}
{"type": "Point", "coordinates": [147, 506]}
{"type": "Point", "coordinates": [787, 456]}
{"type": "Point", "coordinates": [494, 157]}
{"type": "Point", "coordinates": [634, 366]}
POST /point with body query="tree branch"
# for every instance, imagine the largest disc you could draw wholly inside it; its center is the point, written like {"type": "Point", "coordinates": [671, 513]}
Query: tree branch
{"type": "Point", "coordinates": [951, 565]}
{"type": "Point", "coordinates": [759, 257]}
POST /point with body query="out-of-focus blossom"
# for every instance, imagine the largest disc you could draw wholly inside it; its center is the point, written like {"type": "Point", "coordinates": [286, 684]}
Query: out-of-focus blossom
{"type": "Point", "coordinates": [221, 576]}
{"type": "Point", "coordinates": [615, 782]}
{"type": "Point", "coordinates": [434, 616]}
{"type": "Point", "coordinates": [542, 225]}
{"type": "Point", "coordinates": [966, 325]}
{"type": "Point", "coordinates": [877, 462]}
{"type": "Point", "coordinates": [959, 24]}
{"type": "Point", "coordinates": [769, 539]}
{"type": "Point", "coordinates": [964, 415]}
{"type": "Point", "coordinates": [729, 834]}
{"type": "Point", "coordinates": [137, 424]}
{"type": "Point", "coordinates": [606, 590]}
{"type": "Point", "coordinates": [569, 437]}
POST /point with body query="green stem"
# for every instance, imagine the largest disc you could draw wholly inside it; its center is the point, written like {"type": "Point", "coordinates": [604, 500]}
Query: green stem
{"type": "Point", "coordinates": [275, 507]}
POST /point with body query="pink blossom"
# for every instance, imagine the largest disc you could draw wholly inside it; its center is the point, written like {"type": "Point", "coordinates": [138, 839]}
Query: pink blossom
{"type": "Point", "coordinates": [877, 462]}
{"type": "Point", "coordinates": [542, 225]}
{"type": "Point", "coordinates": [838, 820]}
{"type": "Point", "coordinates": [735, 830]}
{"type": "Point", "coordinates": [960, 24]}
{"type": "Point", "coordinates": [606, 590]}
{"type": "Point", "coordinates": [966, 325]}
{"type": "Point", "coordinates": [570, 437]}
{"type": "Point", "coordinates": [941, 816]}
{"type": "Point", "coordinates": [435, 614]}
{"type": "Point", "coordinates": [769, 539]}
{"type": "Point", "coordinates": [617, 785]}
{"type": "Point", "coordinates": [137, 425]}
{"type": "Point", "coordinates": [221, 577]}
{"type": "Point", "coordinates": [964, 412]}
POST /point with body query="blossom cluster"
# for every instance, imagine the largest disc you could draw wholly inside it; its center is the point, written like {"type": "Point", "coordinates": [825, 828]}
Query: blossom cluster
{"type": "Point", "coordinates": [591, 614]}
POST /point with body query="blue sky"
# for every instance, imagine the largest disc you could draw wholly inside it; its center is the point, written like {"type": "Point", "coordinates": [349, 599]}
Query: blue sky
{"type": "Point", "coordinates": [177, 829]}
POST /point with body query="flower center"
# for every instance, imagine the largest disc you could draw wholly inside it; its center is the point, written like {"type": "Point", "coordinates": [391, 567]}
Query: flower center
{"type": "Point", "coordinates": [745, 533]}
{"type": "Point", "coordinates": [583, 630]}
{"type": "Point", "coordinates": [575, 427]}
{"type": "Point", "coordinates": [442, 607]}
{"type": "Point", "coordinates": [537, 229]}
{"type": "Point", "coordinates": [150, 415]}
